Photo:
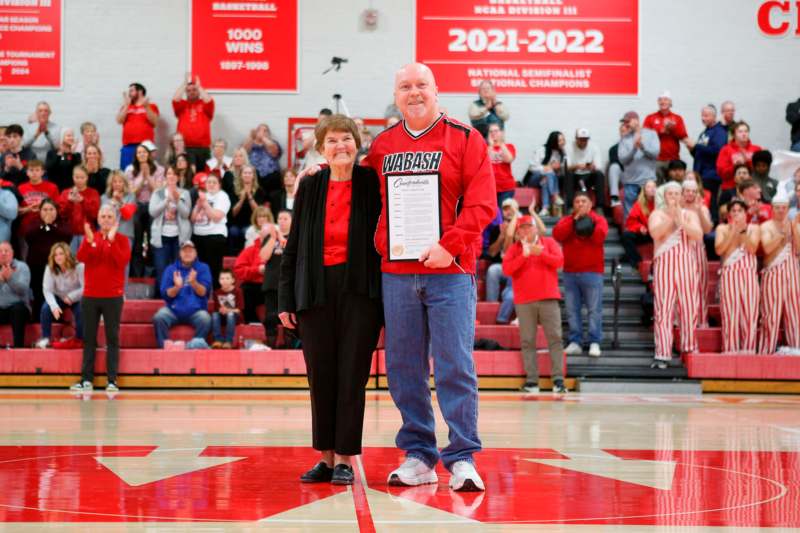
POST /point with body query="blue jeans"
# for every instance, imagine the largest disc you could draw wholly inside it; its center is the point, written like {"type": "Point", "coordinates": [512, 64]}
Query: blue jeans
{"type": "Point", "coordinates": [163, 257]}
{"type": "Point", "coordinates": [506, 304]}
{"type": "Point", "coordinates": [795, 147]}
{"type": "Point", "coordinates": [230, 327]}
{"type": "Point", "coordinates": [46, 318]}
{"type": "Point", "coordinates": [164, 319]}
{"type": "Point", "coordinates": [584, 288]}
{"type": "Point", "coordinates": [494, 277]}
{"type": "Point", "coordinates": [126, 155]}
{"type": "Point", "coordinates": [432, 315]}
{"type": "Point", "coordinates": [631, 193]}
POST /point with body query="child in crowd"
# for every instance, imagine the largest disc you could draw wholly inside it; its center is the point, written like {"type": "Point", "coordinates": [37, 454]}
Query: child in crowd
{"type": "Point", "coordinates": [33, 192]}
{"type": "Point", "coordinates": [227, 305]}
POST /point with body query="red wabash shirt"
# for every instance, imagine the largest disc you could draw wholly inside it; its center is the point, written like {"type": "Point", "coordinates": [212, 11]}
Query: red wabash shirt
{"type": "Point", "coordinates": [467, 191]}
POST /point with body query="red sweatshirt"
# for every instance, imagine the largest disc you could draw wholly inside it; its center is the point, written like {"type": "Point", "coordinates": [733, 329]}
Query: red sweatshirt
{"type": "Point", "coordinates": [76, 213]}
{"type": "Point", "coordinates": [582, 254]}
{"type": "Point", "coordinates": [104, 266]}
{"type": "Point", "coordinates": [725, 161]}
{"type": "Point", "coordinates": [637, 219]}
{"type": "Point", "coordinates": [534, 277]}
{"type": "Point", "coordinates": [33, 195]}
{"type": "Point", "coordinates": [246, 267]}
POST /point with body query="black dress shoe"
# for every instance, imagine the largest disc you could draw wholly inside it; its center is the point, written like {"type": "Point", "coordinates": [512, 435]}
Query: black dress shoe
{"type": "Point", "coordinates": [342, 475]}
{"type": "Point", "coordinates": [321, 473]}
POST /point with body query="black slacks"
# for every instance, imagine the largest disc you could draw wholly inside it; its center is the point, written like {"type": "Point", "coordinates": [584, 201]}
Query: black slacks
{"type": "Point", "coordinates": [210, 250]}
{"type": "Point", "coordinates": [252, 298]}
{"type": "Point", "coordinates": [111, 311]}
{"type": "Point", "coordinates": [17, 315]}
{"type": "Point", "coordinates": [339, 339]}
{"type": "Point", "coordinates": [629, 242]}
{"type": "Point", "coordinates": [595, 181]}
{"type": "Point", "coordinates": [271, 320]}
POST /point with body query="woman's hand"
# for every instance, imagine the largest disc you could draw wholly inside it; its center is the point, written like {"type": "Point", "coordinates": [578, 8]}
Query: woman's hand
{"type": "Point", "coordinates": [87, 230]}
{"type": "Point", "coordinates": [289, 320]}
{"type": "Point", "coordinates": [56, 313]}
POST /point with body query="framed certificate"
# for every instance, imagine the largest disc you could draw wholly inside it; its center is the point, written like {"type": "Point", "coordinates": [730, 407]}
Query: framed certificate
{"type": "Point", "coordinates": [413, 212]}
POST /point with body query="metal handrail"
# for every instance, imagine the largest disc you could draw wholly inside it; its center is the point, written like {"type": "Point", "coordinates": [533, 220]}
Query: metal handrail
{"type": "Point", "coordinates": [616, 282]}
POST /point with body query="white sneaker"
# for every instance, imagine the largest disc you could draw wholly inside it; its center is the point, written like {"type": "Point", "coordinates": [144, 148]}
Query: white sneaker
{"type": "Point", "coordinates": [411, 473]}
{"type": "Point", "coordinates": [545, 212]}
{"type": "Point", "coordinates": [465, 478]}
{"type": "Point", "coordinates": [43, 343]}
{"type": "Point", "coordinates": [594, 350]}
{"type": "Point", "coordinates": [574, 349]}
{"type": "Point", "coordinates": [86, 386]}
{"type": "Point", "coordinates": [558, 200]}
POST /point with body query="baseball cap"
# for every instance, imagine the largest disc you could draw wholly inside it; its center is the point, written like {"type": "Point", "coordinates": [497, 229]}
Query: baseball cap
{"type": "Point", "coordinates": [630, 115]}
{"type": "Point", "coordinates": [525, 220]}
{"type": "Point", "coordinates": [188, 243]}
{"type": "Point", "coordinates": [665, 94]}
{"type": "Point", "coordinates": [151, 147]}
{"type": "Point", "coordinates": [582, 133]}
{"type": "Point", "coordinates": [199, 180]}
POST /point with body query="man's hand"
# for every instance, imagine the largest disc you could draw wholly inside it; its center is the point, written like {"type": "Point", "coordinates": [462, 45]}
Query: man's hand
{"type": "Point", "coordinates": [88, 233]}
{"type": "Point", "coordinates": [436, 257]}
{"type": "Point", "coordinates": [308, 171]}
{"type": "Point", "coordinates": [6, 272]}
{"type": "Point", "coordinates": [192, 277]}
{"type": "Point", "coordinates": [126, 98]}
{"type": "Point", "coordinates": [289, 320]}
{"type": "Point", "coordinates": [177, 279]}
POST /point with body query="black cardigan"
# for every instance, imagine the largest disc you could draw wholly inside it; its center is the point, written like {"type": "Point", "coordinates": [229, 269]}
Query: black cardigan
{"type": "Point", "coordinates": [302, 279]}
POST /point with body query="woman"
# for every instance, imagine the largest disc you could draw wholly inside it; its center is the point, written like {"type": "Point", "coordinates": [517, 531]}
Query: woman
{"type": "Point", "coordinates": [98, 174]}
{"type": "Point", "coordinates": [249, 196]}
{"type": "Point", "coordinates": [170, 207]}
{"type": "Point", "coordinates": [185, 171]}
{"type": "Point", "coordinates": [283, 199]}
{"type": "Point", "coordinates": [177, 146]}
{"type": "Point", "coordinates": [273, 253]}
{"type": "Point", "coordinates": [239, 161]}
{"type": "Point", "coordinates": [219, 163]}
{"type": "Point", "coordinates": [331, 289]}
{"type": "Point", "coordinates": [209, 225]}
{"type": "Point", "coordinates": [502, 154]}
{"type": "Point", "coordinates": [547, 169]}
{"type": "Point", "coordinates": [118, 195]}
{"type": "Point", "coordinates": [63, 289]}
{"type": "Point", "coordinates": [145, 176]}
{"type": "Point", "coordinates": [739, 151]}
{"type": "Point", "coordinates": [61, 161]}
{"type": "Point", "coordinates": [78, 205]}
{"type": "Point", "coordinates": [105, 255]}
{"type": "Point", "coordinates": [261, 217]}
{"type": "Point", "coordinates": [636, 231]}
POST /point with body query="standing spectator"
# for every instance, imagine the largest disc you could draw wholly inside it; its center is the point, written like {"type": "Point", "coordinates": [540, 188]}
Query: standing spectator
{"type": "Point", "coordinates": [671, 132]}
{"type": "Point", "coordinates": [194, 113]}
{"type": "Point", "coordinates": [264, 154]}
{"type": "Point", "coordinates": [789, 187]}
{"type": "Point", "coordinates": [89, 136]}
{"type": "Point", "coordinates": [63, 289]}
{"type": "Point", "coordinates": [138, 117]}
{"type": "Point", "coordinates": [615, 169]}
{"type": "Point", "coordinates": [119, 196]}
{"type": "Point", "coordinates": [636, 230]}
{"type": "Point", "coordinates": [177, 146]}
{"type": "Point", "coordinates": [283, 200]}
{"type": "Point", "coordinates": [249, 196]}
{"type": "Point", "coordinates": [273, 253]}
{"type": "Point", "coordinates": [98, 174]}
{"type": "Point", "coordinates": [33, 192]}
{"type": "Point", "coordinates": [78, 205]}
{"type": "Point", "coordinates": [736, 243]}
{"type": "Point", "coordinates": [502, 154]}
{"type": "Point", "coordinates": [43, 135]}
{"type": "Point", "coordinates": [105, 255]}
{"type": "Point", "coordinates": [547, 169]}
{"type": "Point", "coordinates": [676, 171]}
{"type": "Point", "coordinates": [209, 224]}
{"type": "Point", "coordinates": [691, 200]}
{"type": "Point", "coordinates": [185, 287]}
{"type": "Point", "coordinates": [170, 208]}
{"type": "Point", "coordinates": [219, 163]}
{"type": "Point", "coordinates": [227, 305]}
{"type": "Point", "coordinates": [40, 236]}
{"type": "Point", "coordinates": [15, 286]}
{"type": "Point", "coordinates": [728, 110]}
{"type": "Point", "coordinates": [583, 169]}
{"type": "Point", "coordinates": [737, 152]}
{"type": "Point", "coordinates": [762, 161]}
{"type": "Point", "coordinates": [8, 212]}
{"type": "Point", "coordinates": [638, 150]}
{"type": "Point", "coordinates": [582, 234]}
{"type": "Point", "coordinates": [145, 176]}
{"type": "Point", "coordinates": [261, 217]}
{"type": "Point", "coordinates": [249, 269]}
{"type": "Point", "coordinates": [706, 151]}
{"type": "Point", "coordinates": [16, 156]}
{"type": "Point", "coordinates": [61, 161]}
{"type": "Point", "coordinates": [793, 118]}
{"type": "Point", "coordinates": [487, 110]}
{"type": "Point", "coordinates": [532, 263]}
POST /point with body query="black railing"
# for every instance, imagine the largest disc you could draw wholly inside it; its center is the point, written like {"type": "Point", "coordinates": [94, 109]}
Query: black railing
{"type": "Point", "coordinates": [616, 283]}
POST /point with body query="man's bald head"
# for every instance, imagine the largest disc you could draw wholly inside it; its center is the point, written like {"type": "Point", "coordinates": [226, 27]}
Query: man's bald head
{"type": "Point", "coordinates": [416, 95]}
{"type": "Point", "coordinates": [416, 70]}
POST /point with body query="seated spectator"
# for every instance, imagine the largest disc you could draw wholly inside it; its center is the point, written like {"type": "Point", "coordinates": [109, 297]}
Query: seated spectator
{"type": "Point", "coordinates": [499, 240]}
{"type": "Point", "coordinates": [273, 252]}
{"type": "Point", "coordinates": [638, 149]}
{"type": "Point", "coordinates": [706, 151]}
{"type": "Point", "coordinates": [33, 192]}
{"type": "Point", "coordinates": [675, 171]}
{"type": "Point", "coordinates": [793, 118]}
{"type": "Point", "coordinates": [145, 176]}
{"type": "Point", "coordinates": [118, 195]}
{"type": "Point", "coordinates": [98, 174]}
{"type": "Point", "coordinates": [40, 236]}
{"type": "Point", "coordinates": [264, 153]}
{"type": "Point", "coordinates": [240, 160]}
{"type": "Point", "coordinates": [43, 135]}
{"type": "Point", "coordinates": [219, 163]}
{"type": "Point", "coordinates": [502, 154]}
{"type": "Point", "coordinates": [177, 145]}
{"type": "Point", "coordinates": [89, 136]}
{"type": "Point", "coordinates": [8, 211]}
{"type": "Point", "coordinates": [261, 218]}
{"type": "Point", "coordinates": [15, 287]}
{"type": "Point", "coordinates": [636, 230]}
{"type": "Point", "coordinates": [283, 200]}
{"type": "Point", "coordinates": [248, 195]}
{"type": "Point", "coordinates": [185, 287]}
{"type": "Point", "coordinates": [16, 157]}
{"type": "Point", "coordinates": [762, 161]}
{"type": "Point", "coordinates": [209, 224]}
{"type": "Point", "coordinates": [185, 171]}
{"type": "Point", "coordinates": [615, 169]}
{"type": "Point", "coordinates": [170, 208]}
{"type": "Point", "coordinates": [532, 263]}
{"type": "Point", "coordinates": [78, 205]}
{"type": "Point", "coordinates": [583, 169]}
{"type": "Point", "coordinates": [227, 305]}
{"type": "Point", "coordinates": [545, 171]}
{"type": "Point", "coordinates": [737, 152]}
{"type": "Point", "coordinates": [741, 174]}
{"type": "Point", "coordinates": [194, 113]}
{"type": "Point", "coordinates": [63, 289]}
{"type": "Point", "coordinates": [249, 269]}
{"type": "Point", "coordinates": [487, 110]}
{"type": "Point", "coordinates": [691, 201]}
{"type": "Point", "coordinates": [750, 194]}
{"type": "Point", "coordinates": [61, 161]}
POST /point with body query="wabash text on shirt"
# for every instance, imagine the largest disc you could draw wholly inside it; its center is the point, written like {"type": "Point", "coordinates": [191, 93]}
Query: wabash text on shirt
{"type": "Point", "coordinates": [405, 162]}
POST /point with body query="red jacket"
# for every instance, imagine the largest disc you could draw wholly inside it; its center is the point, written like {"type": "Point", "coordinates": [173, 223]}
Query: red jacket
{"type": "Point", "coordinates": [725, 161]}
{"type": "Point", "coordinates": [534, 277]}
{"type": "Point", "coordinates": [582, 254]}
{"type": "Point", "coordinates": [637, 219]}
{"type": "Point", "coordinates": [76, 213]}
{"type": "Point", "coordinates": [104, 266]}
{"type": "Point", "coordinates": [246, 267]}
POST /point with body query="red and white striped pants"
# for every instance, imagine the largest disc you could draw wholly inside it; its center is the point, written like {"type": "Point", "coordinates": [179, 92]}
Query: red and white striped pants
{"type": "Point", "coordinates": [780, 299]}
{"type": "Point", "coordinates": [675, 282]}
{"type": "Point", "coordinates": [702, 283]}
{"type": "Point", "coordinates": [738, 298]}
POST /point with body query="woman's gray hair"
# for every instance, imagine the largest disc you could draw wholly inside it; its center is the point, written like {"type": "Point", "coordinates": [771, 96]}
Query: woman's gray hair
{"type": "Point", "coordinates": [660, 192]}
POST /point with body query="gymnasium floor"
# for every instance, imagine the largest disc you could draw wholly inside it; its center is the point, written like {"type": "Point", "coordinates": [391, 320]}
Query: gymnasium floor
{"type": "Point", "coordinates": [229, 461]}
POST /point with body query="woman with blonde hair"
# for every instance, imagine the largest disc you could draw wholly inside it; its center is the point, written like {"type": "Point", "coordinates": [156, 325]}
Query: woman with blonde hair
{"type": "Point", "coordinates": [636, 231]}
{"type": "Point", "coordinates": [261, 219]}
{"type": "Point", "coordinates": [247, 196]}
{"type": "Point", "coordinates": [98, 174]}
{"type": "Point", "coordinates": [63, 289]}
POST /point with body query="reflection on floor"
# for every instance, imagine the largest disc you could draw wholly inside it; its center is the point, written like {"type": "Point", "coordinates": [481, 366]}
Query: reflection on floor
{"type": "Point", "coordinates": [220, 461]}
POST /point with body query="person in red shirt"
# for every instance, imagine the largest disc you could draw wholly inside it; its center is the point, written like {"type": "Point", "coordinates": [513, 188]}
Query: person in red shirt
{"type": "Point", "coordinates": [194, 113]}
{"type": "Point", "coordinates": [249, 269]}
{"type": "Point", "coordinates": [737, 152]}
{"type": "Point", "coordinates": [582, 234]}
{"type": "Point", "coordinates": [532, 263]}
{"type": "Point", "coordinates": [671, 132]}
{"type": "Point", "coordinates": [757, 211]}
{"type": "Point", "coordinates": [226, 305]}
{"type": "Point", "coordinates": [33, 192]}
{"type": "Point", "coordinates": [79, 205]}
{"type": "Point", "coordinates": [138, 117]}
{"type": "Point", "coordinates": [635, 232]}
{"type": "Point", "coordinates": [502, 154]}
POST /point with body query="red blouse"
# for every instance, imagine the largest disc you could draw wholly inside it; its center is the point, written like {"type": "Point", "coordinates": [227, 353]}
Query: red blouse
{"type": "Point", "coordinates": [337, 222]}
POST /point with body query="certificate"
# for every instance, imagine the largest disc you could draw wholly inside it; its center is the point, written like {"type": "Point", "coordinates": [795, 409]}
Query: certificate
{"type": "Point", "coordinates": [413, 214]}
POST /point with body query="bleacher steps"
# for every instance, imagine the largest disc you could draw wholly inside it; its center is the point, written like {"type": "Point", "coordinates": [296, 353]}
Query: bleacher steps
{"type": "Point", "coordinates": [639, 386]}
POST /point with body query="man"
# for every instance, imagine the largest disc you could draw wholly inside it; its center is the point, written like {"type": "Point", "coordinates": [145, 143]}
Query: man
{"type": "Point", "coordinates": [502, 154]}
{"type": "Point", "coordinates": [582, 234]}
{"type": "Point", "coordinates": [757, 211]}
{"type": "Point", "coordinates": [676, 171]}
{"type": "Point", "coordinates": [194, 112]}
{"type": "Point", "coordinates": [671, 132]}
{"type": "Point", "coordinates": [138, 117]}
{"type": "Point", "coordinates": [638, 150]}
{"type": "Point", "coordinates": [15, 281]}
{"type": "Point", "coordinates": [43, 135]}
{"type": "Point", "coordinates": [706, 151]}
{"type": "Point", "coordinates": [583, 169]}
{"type": "Point", "coordinates": [487, 110]}
{"type": "Point", "coordinates": [780, 278]}
{"type": "Point", "coordinates": [431, 301]}
{"type": "Point", "coordinates": [33, 192]}
{"type": "Point", "coordinates": [16, 156]}
{"type": "Point", "coordinates": [793, 118]}
{"type": "Point", "coordinates": [728, 111]}
{"type": "Point", "coordinates": [762, 161]}
{"type": "Point", "coordinates": [185, 286]}
{"type": "Point", "coordinates": [501, 236]}
{"type": "Point", "coordinates": [532, 263]}
{"type": "Point", "coordinates": [736, 243]}
{"type": "Point", "coordinates": [615, 168]}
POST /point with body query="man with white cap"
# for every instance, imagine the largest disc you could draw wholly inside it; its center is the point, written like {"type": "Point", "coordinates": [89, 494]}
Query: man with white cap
{"type": "Point", "coordinates": [671, 132]}
{"type": "Point", "coordinates": [583, 169]}
{"type": "Point", "coordinates": [780, 278]}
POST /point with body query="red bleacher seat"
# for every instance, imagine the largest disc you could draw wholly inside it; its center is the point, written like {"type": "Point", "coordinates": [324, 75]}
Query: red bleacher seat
{"type": "Point", "coordinates": [740, 366]}
{"type": "Point", "coordinates": [709, 339]}
{"type": "Point", "coordinates": [527, 195]}
{"type": "Point", "coordinates": [618, 215]}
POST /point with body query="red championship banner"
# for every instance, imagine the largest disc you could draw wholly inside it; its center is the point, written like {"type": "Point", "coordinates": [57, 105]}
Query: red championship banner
{"type": "Point", "coordinates": [246, 46]}
{"type": "Point", "coordinates": [531, 46]}
{"type": "Point", "coordinates": [31, 44]}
